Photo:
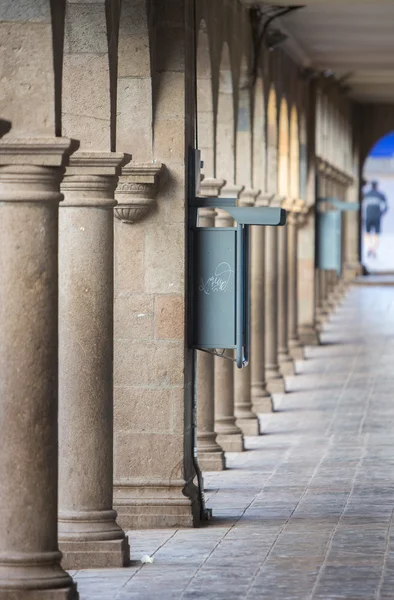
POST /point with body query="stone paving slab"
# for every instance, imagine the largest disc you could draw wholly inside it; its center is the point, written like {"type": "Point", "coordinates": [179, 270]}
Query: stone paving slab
{"type": "Point", "coordinates": [306, 512]}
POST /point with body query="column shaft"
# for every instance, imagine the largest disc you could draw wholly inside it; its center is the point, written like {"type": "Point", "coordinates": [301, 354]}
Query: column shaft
{"type": "Point", "coordinates": [89, 534]}
{"type": "Point", "coordinates": [210, 454]}
{"type": "Point", "coordinates": [29, 197]}
{"type": "Point", "coordinates": [275, 383]}
{"type": "Point", "coordinates": [285, 362]}
{"type": "Point", "coordinates": [261, 399]}
{"type": "Point", "coordinates": [247, 419]}
{"type": "Point", "coordinates": [295, 347]}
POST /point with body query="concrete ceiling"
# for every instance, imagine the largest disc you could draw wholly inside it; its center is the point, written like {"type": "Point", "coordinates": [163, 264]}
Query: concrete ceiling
{"type": "Point", "coordinates": [352, 38]}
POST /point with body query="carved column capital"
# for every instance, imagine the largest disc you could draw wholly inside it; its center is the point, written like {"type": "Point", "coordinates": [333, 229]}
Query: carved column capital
{"type": "Point", "coordinates": [136, 191]}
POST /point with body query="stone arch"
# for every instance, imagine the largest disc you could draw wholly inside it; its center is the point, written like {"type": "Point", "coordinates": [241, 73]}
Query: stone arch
{"type": "Point", "coordinates": [258, 162]}
{"type": "Point", "coordinates": [243, 153]}
{"type": "Point", "coordinates": [294, 170]}
{"type": "Point", "coordinates": [224, 147]}
{"type": "Point", "coordinates": [374, 123]}
{"type": "Point", "coordinates": [272, 142]}
{"type": "Point", "coordinates": [283, 149]}
{"type": "Point", "coordinates": [205, 112]}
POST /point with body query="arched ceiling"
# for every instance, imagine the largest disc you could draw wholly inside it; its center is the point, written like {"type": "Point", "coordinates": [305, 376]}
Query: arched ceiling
{"type": "Point", "coordinates": [352, 38]}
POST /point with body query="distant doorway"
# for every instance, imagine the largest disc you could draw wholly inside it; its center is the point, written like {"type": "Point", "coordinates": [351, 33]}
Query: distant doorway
{"type": "Point", "coordinates": [377, 208]}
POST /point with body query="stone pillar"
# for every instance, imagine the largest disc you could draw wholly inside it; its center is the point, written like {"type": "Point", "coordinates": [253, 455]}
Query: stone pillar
{"type": "Point", "coordinates": [229, 435]}
{"type": "Point", "coordinates": [210, 454]}
{"type": "Point", "coordinates": [261, 398]}
{"type": "Point", "coordinates": [321, 313]}
{"type": "Point", "coordinates": [286, 365]}
{"type": "Point", "coordinates": [29, 197]}
{"type": "Point", "coordinates": [247, 419]}
{"type": "Point", "coordinates": [275, 382]}
{"type": "Point", "coordinates": [88, 533]}
{"type": "Point", "coordinates": [153, 374]}
{"type": "Point", "coordinates": [295, 346]}
{"type": "Point", "coordinates": [352, 266]}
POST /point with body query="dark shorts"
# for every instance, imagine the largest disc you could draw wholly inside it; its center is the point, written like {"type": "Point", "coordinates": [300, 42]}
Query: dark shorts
{"type": "Point", "coordinates": [373, 224]}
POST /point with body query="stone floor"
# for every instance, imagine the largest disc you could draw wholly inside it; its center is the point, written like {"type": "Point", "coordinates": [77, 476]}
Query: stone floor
{"type": "Point", "coordinates": [306, 512]}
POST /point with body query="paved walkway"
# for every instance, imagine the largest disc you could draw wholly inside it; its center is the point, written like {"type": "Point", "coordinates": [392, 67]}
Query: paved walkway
{"type": "Point", "coordinates": [306, 512]}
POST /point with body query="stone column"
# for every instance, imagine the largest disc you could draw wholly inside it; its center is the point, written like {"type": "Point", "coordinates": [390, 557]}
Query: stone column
{"type": "Point", "coordinates": [210, 454]}
{"type": "Point", "coordinates": [229, 435]}
{"type": "Point", "coordinates": [286, 365]}
{"type": "Point", "coordinates": [352, 266]}
{"type": "Point", "coordinates": [88, 533]}
{"type": "Point", "coordinates": [322, 309]}
{"type": "Point", "coordinates": [29, 197]}
{"type": "Point", "coordinates": [247, 419]}
{"type": "Point", "coordinates": [295, 346]}
{"type": "Point", "coordinates": [261, 398]}
{"type": "Point", "coordinates": [275, 382]}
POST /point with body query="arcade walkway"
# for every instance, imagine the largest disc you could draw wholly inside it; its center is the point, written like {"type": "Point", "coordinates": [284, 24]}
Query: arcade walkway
{"type": "Point", "coordinates": [306, 513]}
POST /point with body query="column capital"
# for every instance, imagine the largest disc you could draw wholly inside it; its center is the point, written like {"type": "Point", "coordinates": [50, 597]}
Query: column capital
{"type": "Point", "coordinates": [287, 203]}
{"type": "Point", "coordinates": [248, 196]}
{"type": "Point", "coordinates": [231, 190]}
{"type": "Point", "coordinates": [264, 199]}
{"type": "Point", "coordinates": [137, 190]}
{"type": "Point", "coordinates": [97, 163]}
{"type": "Point", "coordinates": [211, 186]}
{"type": "Point", "coordinates": [91, 178]}
{"type": "Point", "coordinates": [277, 200]}
{"type": "Point", "coordinates": [41, 152]}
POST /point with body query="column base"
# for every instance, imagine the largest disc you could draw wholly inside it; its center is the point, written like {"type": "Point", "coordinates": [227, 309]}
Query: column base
{"type": "Point", "coordinates": [249, 426]}
{"type": "Point", "coordinates": [297, 352]}
{"type": "Point", "coordinates": [35, 573]}
{"type": "Point", "coordinates": [211, 461]}
{"type": "Point", "coordinates": [308, 336]}
{"type": "Point", "coordinates": [286, 367]}
{"type": "Point", "coordinates": [261, 399]}
{"type": "Point", "coordinates": [95, 554]}
{"type": "Point", "coordinates": [156, 504]}
{"type": "Point", "coordinates": [262, 404]}
{"type": "Point", "coordinates": [231, 442]}
{"type": "Point", "coordinates": [352, 270]}
{"type": "Point", "coordinates": [69, 593]}
{"type": "Point", "coordinates": [276, 385]}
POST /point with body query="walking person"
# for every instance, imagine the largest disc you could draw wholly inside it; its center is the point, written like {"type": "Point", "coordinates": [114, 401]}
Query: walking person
{"type": "Point", "coordinates": [374, 207]}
